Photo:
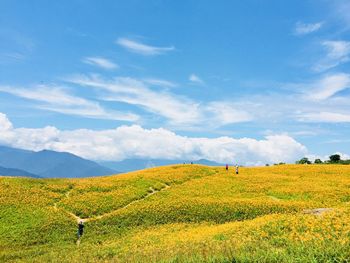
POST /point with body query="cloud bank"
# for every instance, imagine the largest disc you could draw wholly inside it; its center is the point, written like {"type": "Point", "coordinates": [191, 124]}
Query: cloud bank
{"type": "Point", "coordinates": [136, 142]}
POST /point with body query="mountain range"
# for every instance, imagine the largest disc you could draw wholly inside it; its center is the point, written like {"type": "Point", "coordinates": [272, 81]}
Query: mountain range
{"type": "Point", "coordinates": [16, 172]}
{"type": "Point", "coordinates": [48, 164]}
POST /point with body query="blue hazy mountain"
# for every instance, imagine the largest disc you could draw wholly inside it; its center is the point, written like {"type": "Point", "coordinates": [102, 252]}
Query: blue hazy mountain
{"type": "Point", "coordinates": [15, 172]}
{"type": "Point", "coordinates": [51, 164]}
{"type": "Point", "coordinates": [128, 165]}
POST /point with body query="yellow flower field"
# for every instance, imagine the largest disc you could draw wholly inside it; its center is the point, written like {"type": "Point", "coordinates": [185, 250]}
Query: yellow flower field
{"type": "Point", "coordinates": [181, 213]}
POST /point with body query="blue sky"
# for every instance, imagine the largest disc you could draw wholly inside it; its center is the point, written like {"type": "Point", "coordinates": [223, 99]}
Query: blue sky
{"type": "Point", "coordinates": [241, 81]}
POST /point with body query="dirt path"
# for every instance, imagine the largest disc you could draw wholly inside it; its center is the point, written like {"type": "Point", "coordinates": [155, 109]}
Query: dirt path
{"type": "Point", "coordinates": [79, 219]}
{"type": "Point", "coordinates": [317, 211]}
{"type": "Point", "coordinates": [152, 192]}
{"type": "Point", "coordinates": [66, 195]}
{"type": "Point", "coordinates": [274, 198]}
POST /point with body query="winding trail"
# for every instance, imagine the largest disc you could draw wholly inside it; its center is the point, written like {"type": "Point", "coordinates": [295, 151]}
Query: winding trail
{"type": "Point", "coordinates": [79, 219]}
{"type": "Point", "coordinates": [317, 211]}
{"type": "Point", "coordinates": [88, 219]}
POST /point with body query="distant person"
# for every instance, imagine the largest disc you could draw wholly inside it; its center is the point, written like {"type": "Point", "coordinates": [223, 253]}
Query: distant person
{"type": "Point", "coordinates": [237, 169]}
{"type": "Point", "coordinates": [226, 167]}
{"type": "Point", "coordinates": [191, 162]}
{"type": "Point", "coordinates": [80, 229]}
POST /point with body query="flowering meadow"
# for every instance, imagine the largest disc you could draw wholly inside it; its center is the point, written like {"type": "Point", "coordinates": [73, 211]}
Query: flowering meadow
{"type": "Point", "coordinates": [181, 213]}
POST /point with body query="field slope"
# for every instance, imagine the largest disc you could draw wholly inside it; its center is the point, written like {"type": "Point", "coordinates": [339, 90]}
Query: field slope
{"type": "Point", "coordinates": [180, 213]}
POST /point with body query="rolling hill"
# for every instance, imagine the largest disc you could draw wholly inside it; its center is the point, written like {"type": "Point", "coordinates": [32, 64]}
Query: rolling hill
{"type": "Point", "coordinates": [129, 165]}
{"type": "Point", "coordinates": [51, 164]}
{"type": "Point", "coordinates": [180, 213]}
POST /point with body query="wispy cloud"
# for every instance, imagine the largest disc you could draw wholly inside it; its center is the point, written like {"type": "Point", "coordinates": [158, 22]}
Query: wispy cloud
{"type": "Point", "coordinates": [304, 29]}
{"type": "Point", "coordinates": [337, 53]}
{"type": "Point", "coordinates": [178, 111]}
{"type": "Point", "coordinates": [329, 117]}
{"type": "Point", "coordinates": [160, 82]}
{"type": "Point", "coordinates": [57, 99]}
{"type": "Point", "coordinates": [143, 49]}
{"type": "Point", "coordinates": [100, 62]}
{"type": "Point", "coordinates": [325, 99]}
{"type": "Point", "coordinates": [228, 113]}
{"type": "Point", "coordinates": [11, 57]}
{"type": "Point", "coordinates": [195, 79]}
{"type": "Point", "coordinates": [328, 86]}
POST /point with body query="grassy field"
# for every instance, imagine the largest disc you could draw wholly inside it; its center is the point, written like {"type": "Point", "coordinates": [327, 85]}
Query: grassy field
{"type": "Point", "coordinates": [181, 213]}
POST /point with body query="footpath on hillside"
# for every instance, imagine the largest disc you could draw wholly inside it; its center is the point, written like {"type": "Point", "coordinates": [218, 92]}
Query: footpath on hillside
{"type": "Point", "coordinates": [151, 192]}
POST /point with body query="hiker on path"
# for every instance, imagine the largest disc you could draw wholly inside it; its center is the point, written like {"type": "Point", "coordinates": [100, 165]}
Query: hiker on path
{"type": "Point", "coordinates": [226, 167]}
{"type": "Point", "coordinates": [236, 168]}
{"type": "Point", "coordinates": [80, 229]}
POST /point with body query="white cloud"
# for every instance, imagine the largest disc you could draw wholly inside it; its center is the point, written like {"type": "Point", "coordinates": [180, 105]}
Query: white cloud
{"type": "Point", "coordinates": [337, 53]}
{"type": "Point", "coordinates": [322, 100]}
{"type": "Point", "coordinates": [337, 49]}
{"type": "Point", "coordinates": [195, 79]}
{"type": "Point", "coordinates": [343, 156]}
{"type": "Point", "coordinates": [100, 62]}
{"type": "Point", "coordinates": [58, 100]}
{"type": "Point", "coordinates": [304, 29]}
{"type": "Point", "coordinates": [160, 82]}
{"type": "Point", "coordinates": [179, 111]}
{"type": "Point", "coordinates": [137, 142]}
{"type": "Point", "coordinates": [6, 129]}
{"type": "Point", "coordinates": [227, 113]}
{"type": "Point", "coordinates": [330, 117]}
{"type": "Point", "coordinates": [328, 86]}
{"type": "Point", "coordinates": [141, 48]}
{"type": "Point", "coordinates": [5, 123]}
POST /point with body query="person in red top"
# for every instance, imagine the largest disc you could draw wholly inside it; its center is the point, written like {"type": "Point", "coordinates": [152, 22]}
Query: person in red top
{"type": "Point", "coordinates": [226, 167]}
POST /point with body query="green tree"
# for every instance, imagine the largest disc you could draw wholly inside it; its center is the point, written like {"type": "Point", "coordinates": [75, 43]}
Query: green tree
{"type": "Point", "coordinates": [304, 160]}
{"type": "Point", "coordinates": [318, 161]}
{"type": "Point", "coordinates": [335, 158]}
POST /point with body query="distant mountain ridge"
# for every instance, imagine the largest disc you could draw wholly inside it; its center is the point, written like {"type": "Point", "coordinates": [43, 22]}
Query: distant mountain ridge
{"type": "Point", "coordinates": [51, 164]}
{"type": "Point", "coordinates": [128, 165]}
{"type": "Point", "coordinates": [16, 172]}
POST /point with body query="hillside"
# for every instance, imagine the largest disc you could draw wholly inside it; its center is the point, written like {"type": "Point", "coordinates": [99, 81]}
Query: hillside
{"type": "Point", "coordinates": [129, 165]}
{"type": "Point", "coordinates": [51, 164]}
{"type": "Point", "coordinates": [181, 213]}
